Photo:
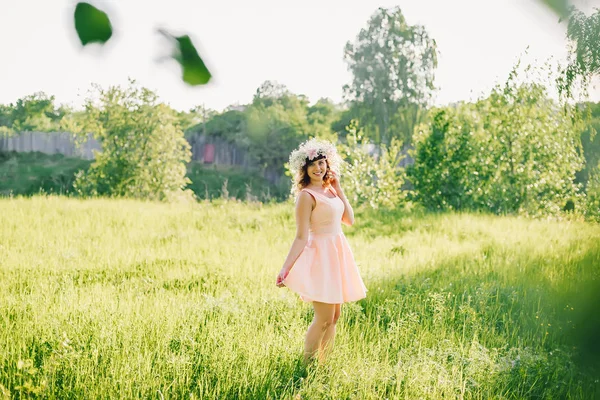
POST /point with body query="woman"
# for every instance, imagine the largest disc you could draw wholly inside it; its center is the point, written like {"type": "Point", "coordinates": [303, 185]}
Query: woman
{"type": "Point", "coordinates": [320, 266]}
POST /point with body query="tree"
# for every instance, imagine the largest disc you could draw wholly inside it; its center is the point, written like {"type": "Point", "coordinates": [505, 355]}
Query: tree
{"type": "Point", "coordinates": [6, 118]}
{"type": "Point", "coordinates": [35, 112]}
{"type": "Point", "coordinates": [193, 118]}
{"type": "Point", "coordinates": [590, 142]}
{"type": "Point", "coordinates": [583, 34]}
{"type": "Point", "coordinates": [144, 153]}
{"type": "Point", "coordinates": [229, 125]}
{"type": "Point", "coordinates": [393, 65]}
{"type": "Point", "coordinates": [515, 151]}
{"type": "Point", "coordinates": [372, 179]}
{"type": "Point", "coordinates": [276, 124]}
{"type": "Point", "coordinates": [321, 116]}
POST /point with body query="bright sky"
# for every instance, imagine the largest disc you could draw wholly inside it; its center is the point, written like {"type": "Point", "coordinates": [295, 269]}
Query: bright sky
{"type": "Point", "coordinates": [297, 43]}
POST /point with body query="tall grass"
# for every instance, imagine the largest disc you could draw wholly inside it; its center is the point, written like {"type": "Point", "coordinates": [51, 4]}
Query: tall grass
{"type": "Point", "coordinates": [127, 299]}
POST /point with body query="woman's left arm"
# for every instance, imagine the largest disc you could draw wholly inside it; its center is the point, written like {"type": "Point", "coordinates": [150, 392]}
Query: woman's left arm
{"type": "Point", "coordinates": [348, 216]}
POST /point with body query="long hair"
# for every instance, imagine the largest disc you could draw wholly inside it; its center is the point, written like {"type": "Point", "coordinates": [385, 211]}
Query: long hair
{"type": "Point", "coordinates": [301, 180]}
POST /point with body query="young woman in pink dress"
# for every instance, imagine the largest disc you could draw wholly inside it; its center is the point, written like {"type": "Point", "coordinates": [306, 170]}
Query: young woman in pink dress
{"type": "Point", "coordinates": [320, 265]}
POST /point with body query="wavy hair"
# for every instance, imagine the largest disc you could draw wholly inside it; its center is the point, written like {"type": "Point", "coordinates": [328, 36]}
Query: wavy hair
{"type": "Point", "coordinates": [301, 180]}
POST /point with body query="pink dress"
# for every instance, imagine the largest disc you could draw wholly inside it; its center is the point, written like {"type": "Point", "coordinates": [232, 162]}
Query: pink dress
{"type": "Point", "coordinates": [325, 271]}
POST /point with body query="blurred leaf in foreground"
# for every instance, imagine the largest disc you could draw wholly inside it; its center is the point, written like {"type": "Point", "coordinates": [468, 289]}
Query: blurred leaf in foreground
{"type": "Point", "coordinates": [194, 70]}
{"type": "Point", "coordinates": [92, 25]}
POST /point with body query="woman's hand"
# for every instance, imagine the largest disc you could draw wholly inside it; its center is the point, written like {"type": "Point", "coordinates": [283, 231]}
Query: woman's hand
{"type": "Point", "coordinates": [334, 181]}
{"type": "Point", "coordinates": [282, 275]}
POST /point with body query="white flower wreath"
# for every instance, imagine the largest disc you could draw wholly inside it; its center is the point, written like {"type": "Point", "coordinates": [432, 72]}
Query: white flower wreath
{"type": "Point", "coordinates": [309, 150]}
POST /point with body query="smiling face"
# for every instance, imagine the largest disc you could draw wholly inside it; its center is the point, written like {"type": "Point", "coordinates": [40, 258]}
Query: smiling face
{"type": "Point", "coordinates": [313, 173]}
{"type": "Point", "coordinates": [316, 170]}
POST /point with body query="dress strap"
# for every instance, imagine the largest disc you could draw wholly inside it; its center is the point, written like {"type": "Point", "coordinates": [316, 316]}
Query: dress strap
{"type": "Point", "coordinates": [309, 191]}
{"type": "Point", "coordinates": [321, 194]}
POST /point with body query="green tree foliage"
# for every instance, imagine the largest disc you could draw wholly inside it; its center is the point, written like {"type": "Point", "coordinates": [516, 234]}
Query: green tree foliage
{"type": "Point", "coordinates": [589, 176]}
{"type": "Point", "coordinates": [277, 121]}
{"type": "Point", "coordinates": [321, 116]}
{"type": "Point", "coordinates": [229, 125]}
{"type": "Point", "coordinates": [583, 33]}
{"type": "Point", "coordinates": [590, 141]}
{"type": "Point", "coordinates": [194, 119]}
{"type": "Point", "coordinates": [272, 125]}
{"type": "Point", "coordinates": [592, 204]}
{"type": "Point", "coordinates": [36, 112]}
{"type": "Point", "coordinates": [516, 151]}
{"type": "Point", "coordinates": [276, 124]}
{"type": "Point", "coordinates": [6, 119]}
{"type": "Point", "coordinates": [374, 179]}
{"type": "Point", "coordinates": [144, 153]}
{"type": "Point", "coordinates": [392, 65]}
{"type": "Point", "coordinates": [445, 174]}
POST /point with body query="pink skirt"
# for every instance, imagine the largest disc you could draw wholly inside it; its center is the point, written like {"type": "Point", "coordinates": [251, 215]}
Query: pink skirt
{"type": "Point", "coordinates": [326, 272]}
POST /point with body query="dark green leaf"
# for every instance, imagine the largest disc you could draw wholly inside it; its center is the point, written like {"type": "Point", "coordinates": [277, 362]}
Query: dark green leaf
{"type": "Point", "coordinates": [92, 25]}
{"type": "Point", "coordinates": [193, 69]}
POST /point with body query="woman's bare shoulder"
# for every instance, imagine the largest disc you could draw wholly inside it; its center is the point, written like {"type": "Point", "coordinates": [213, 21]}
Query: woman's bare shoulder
{"type": "Point", "coordinates": [304, 197]}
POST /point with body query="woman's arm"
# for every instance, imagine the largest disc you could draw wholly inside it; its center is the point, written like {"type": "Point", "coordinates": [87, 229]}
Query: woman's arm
{"type": "Point", "coordinates": [348, 216]}
{"type": "Point", "coordinates": [304, 206]}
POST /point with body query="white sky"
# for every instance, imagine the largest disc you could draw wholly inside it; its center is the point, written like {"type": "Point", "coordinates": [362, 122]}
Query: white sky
{"type": "Point", "coordinates": [244, 43]}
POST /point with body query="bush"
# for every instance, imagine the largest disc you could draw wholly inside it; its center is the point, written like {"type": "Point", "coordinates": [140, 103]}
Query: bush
{"type": "Point", "coordinates": [516, 151]}
{"type": "Point", "coordinates": [144, 152]}
{"type": "Point", "coordinates": [592, 204]}
{"type": "Point", "coordinates": [31, 173]}
{"type": "Point", "coordinates": [376, 179]}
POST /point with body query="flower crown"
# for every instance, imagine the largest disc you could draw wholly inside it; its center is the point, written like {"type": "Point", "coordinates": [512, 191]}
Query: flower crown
{"type": "Point", "coordinates": [310, 150]}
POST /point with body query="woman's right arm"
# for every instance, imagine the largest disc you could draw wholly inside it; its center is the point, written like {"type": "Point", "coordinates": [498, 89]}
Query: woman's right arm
{"type": "Point", "coordinates": [304, 206]}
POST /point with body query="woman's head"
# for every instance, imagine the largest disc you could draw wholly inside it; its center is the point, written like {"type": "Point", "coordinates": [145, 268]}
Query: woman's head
{"type": "Point", "coordinates": [316, 171]}
{"type": "Point", "coordinates": [312, 161]}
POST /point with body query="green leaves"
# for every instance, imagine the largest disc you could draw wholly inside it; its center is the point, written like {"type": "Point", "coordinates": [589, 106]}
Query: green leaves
{"type": "Point", "coordinates": [393, 66]}
{"type": "Point", "coordinates": [583, 33]}
{"type": "Point", "coordinates": [194, 71]}
{"type": "Point", "coordinates": [584, 62]}
{"type": "Point", "coordinates": [515, 151]}
{"type": "Point", "coordinates": [373, 180]}
{"type": "Point", "coordinates": [144, 153]}
{"type": "Point", "coordinates": [92, 25]}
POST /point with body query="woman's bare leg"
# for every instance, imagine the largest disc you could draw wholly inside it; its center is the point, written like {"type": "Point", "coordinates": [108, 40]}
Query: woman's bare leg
{"type": "Point", "coordinates": [323, 319]}
{"type": "Point", "coordinates": [329, 335]}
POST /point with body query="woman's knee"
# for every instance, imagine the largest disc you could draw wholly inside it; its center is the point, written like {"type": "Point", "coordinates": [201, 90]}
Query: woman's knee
{"type": "Point", "coordinates": [326, 324]}
{"type": "Point", "coordinates": [325, 315]}
{"type": "Point", "coordinates": [337, 313]}
{"type": "Point", "coordinates": [336, 317]}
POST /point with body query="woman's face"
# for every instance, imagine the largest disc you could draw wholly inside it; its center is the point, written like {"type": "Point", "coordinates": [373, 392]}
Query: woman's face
{"type": "Point", "coordinates": [316, 170]}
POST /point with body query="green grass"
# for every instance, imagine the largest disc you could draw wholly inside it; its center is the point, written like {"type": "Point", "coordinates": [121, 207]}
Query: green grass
{"type": "Point", "coordinates": [128, 299]}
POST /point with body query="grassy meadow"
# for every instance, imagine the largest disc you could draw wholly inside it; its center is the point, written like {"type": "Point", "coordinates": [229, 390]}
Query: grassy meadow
{"type": "Point", "coordinates": [130, 299]}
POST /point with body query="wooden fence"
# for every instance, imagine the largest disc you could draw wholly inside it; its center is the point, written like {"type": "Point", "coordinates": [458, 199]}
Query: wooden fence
{"type": "Point", "coordinates": [50, 143]}
{"type": "Point", "coordinates": [210, 150]}
{"type": "Point", "coordinates": [205, 149]}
